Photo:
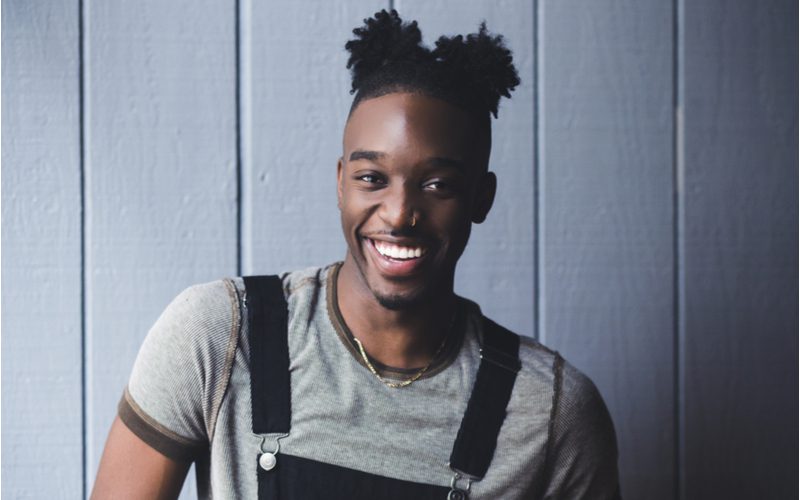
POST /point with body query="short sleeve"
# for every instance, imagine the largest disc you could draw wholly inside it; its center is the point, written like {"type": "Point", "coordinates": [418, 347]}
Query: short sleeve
{"type": "Point", "coordinates": [182, 369]}
{"type": "Point", "coordinates": [582, 456]}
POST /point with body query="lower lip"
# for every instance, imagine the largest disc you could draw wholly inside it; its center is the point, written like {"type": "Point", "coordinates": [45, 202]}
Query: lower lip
{"type": "Point", "coordinates": [392, 267]}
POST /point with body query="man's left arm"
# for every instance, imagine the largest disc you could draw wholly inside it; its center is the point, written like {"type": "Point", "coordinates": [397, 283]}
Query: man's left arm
{"type": "Point", "coordinates": [582, 462]}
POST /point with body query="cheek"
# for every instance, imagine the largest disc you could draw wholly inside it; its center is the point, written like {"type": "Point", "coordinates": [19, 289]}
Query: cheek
{"type": "Point", "coordinates": [354, 211]}
{"type": "Point", "coordinates": [453, 221]}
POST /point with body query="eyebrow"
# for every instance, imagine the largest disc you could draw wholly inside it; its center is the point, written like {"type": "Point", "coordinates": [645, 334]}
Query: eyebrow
{"type": "Point", "coordinates": [361, 154]}
{"type": "Point", "coordinates": [441, 161]}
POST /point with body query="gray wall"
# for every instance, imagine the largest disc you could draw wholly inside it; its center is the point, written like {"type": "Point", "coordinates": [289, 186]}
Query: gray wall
{"type": "Point", "coordinates": [645, 225]}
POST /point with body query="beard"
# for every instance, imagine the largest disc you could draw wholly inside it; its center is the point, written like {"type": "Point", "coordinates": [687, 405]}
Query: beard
{"type": "Point", "coordinates": [399, 302]}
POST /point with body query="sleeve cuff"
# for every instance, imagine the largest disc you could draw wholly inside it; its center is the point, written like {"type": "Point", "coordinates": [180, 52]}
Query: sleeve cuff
{"type": "Point", "coordinates": [157, 436]}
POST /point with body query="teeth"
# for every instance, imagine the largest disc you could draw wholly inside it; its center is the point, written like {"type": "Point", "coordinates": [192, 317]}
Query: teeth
{"type": "Point", "coordinates": [398, 252]}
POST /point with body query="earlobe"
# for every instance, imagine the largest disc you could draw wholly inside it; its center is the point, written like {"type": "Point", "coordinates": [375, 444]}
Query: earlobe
{"type": "Point", "coordinates": [484, 198]}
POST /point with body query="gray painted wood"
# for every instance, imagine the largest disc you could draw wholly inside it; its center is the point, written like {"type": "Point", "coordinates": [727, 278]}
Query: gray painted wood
{"type": "Point", "coordinates": [740, 298]}
{"type": "Point", "coordinates": [606, 212]}
{"type": "Point", "coordinates": [296, 98]}
{"type": "Point", "coordinates": [497, 268]}
{"type": "Point", "coordinates": [161, 175]}
{"type": "Point", "coordinates": [41, 264]}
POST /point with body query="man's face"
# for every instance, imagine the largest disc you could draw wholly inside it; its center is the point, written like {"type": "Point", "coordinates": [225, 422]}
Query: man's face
{"type": "Point", "coordinates": [410, 183]}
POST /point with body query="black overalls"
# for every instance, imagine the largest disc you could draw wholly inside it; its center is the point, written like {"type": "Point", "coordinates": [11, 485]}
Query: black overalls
{"type": "Point", "coordinates": [287, 477]}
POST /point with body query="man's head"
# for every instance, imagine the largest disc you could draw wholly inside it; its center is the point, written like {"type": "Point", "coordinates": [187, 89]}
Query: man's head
{"type": "Point", "coordinates": [414, 172]}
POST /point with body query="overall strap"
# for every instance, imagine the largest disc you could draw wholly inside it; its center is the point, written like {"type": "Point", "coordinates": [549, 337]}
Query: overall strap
{"type": "Point", "coordinates": [268, 314]}
{"type": "Point", "coordinates": [486, 409]}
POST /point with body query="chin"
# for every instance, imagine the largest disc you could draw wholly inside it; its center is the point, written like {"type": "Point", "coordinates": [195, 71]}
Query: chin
{"type": "Point", "coordinates": [397, 297]}
{"type": "Point", "coordinates": [398, 302]}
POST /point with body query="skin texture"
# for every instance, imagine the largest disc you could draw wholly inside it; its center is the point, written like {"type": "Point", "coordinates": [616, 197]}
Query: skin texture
{"type": "Point", "coordinates": [131, 469]}
{"type": "Point", "coordinates": [408, 158]}
{"type": "Point", "coordinates": [404, 155]}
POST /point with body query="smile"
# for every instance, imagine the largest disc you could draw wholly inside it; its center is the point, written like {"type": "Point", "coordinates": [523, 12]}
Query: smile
{"type": "Point", "coordinates": [397, 261]}
{"type": "Point", "coordinates": [398, 252]}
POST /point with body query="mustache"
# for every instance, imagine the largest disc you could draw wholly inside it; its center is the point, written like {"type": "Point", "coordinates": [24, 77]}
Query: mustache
{"type": "Point", "coordinates": [408, 233]}
{"type": "Point", "coordinates": [404, 232]}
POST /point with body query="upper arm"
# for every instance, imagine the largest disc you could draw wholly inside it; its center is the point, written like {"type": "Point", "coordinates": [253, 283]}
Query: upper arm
{"type": "Point", "coordinates": [583, 448]}
{"type": "Point", "coordinates": [131, 469]}
{"type": "Point", "coordinates": [167, 412]}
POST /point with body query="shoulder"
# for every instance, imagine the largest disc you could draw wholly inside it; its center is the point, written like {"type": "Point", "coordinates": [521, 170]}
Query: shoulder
{"type": "Point", "coordinates": [576, 400]}
{"type": "Point", "coordinates": [302, 279]}
{"type": "Point", "coordinates": [581, 451]}
{"type": "Point", "coordinates": [202, 315]}
{"type": "Point", "coordinates": [297, 283]}
{"type": "Point", "coordinates": [578, 414]}
{"type": "Point", "coordinates": [578, 395]}
{"type": "Point", "coordinates": [537, 361]}
{"type": "Point", "coordinates": [574, 387]}
{"type": "Point", "coordinates": [180, 372]}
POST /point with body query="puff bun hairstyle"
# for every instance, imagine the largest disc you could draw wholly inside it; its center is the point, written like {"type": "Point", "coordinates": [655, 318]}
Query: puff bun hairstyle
{"type": "Point", "coordinates": [470, 72]}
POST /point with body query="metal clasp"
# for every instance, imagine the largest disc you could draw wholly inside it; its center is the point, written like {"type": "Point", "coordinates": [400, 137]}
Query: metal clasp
{"type": "Point", "coordinates": [267, 460]}
{"type": "Point", "coordinates": [457, 493]}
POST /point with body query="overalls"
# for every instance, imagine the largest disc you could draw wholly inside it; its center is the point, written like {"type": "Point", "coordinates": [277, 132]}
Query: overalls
{"type": "Point", "coordinates": [287, 477]}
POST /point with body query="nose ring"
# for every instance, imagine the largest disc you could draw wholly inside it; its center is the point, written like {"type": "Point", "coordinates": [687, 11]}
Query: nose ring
{"type": "Point", "coordinates": [413, 221]}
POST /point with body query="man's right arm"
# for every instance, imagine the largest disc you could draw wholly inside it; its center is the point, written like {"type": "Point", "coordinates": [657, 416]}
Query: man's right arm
{"type": "Point", "coordinates": [131, 469]}
{"type": "Point", "coordinates": [168, 406]}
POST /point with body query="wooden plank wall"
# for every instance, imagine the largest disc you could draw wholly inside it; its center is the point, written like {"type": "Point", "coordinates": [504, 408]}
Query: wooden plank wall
{"type": "Point", "coordinates": [41, 258]}
{"type": "Point", "coordinates": [739, 248]}
{"type": "Point", "coordinates": [161, 176]}
{"type": "Point", "coordinates": [645, 222]}
{"type": "Point", "coordinates": [606, 210]}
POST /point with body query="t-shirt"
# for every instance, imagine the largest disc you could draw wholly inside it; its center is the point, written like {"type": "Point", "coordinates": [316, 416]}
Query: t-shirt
{"type": "Point", "coordinates": [189, 397]}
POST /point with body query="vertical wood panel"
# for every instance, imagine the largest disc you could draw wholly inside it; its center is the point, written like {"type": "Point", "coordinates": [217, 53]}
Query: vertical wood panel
{"type": "Point", "coordinates": [497, 268]}
{"type": "Point", "coordinates": [162, 176]}
{"type": "Point", "coordinates": [296, 87]}
{"type": "Point", "coordinates": [605, 105]}
{"type": "Point", "coordinates": [740, 248]}
{"type": "Point", "coordinates": [41, 264]}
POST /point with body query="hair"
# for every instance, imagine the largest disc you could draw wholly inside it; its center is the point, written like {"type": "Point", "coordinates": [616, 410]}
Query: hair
{"type": "Point", "coordinates": [470, 72]}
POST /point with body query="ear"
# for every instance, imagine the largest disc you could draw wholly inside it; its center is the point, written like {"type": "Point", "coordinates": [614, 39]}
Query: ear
{"type": "Point", "coordinates": [339, 167]}
{"type": "Point", "coordinates": [484, 197]}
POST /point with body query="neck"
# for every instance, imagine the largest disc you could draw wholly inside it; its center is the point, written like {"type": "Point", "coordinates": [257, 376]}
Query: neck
{"type": "Point", "coordinates": [400, 338]}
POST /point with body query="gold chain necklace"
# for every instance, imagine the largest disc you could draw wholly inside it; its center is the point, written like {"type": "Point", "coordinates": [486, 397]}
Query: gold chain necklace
{"type": "Point", "coordinates": [421, 372]}
{"type": "Point", "coordinates": [408, 381]}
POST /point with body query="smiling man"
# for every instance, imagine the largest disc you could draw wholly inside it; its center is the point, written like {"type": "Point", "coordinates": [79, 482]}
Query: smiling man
{"type": "Point", "coordinates": [370, 378]}
{"type": "Point", "coordinates": [412, 181]}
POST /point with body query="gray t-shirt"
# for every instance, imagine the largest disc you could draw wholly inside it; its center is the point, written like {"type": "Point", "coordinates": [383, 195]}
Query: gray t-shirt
{"type": "Point", "coordinates": [189, 397]}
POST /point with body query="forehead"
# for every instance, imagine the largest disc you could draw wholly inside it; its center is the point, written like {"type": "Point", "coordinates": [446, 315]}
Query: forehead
{"type": "Point", "coordinates": [406, 124]}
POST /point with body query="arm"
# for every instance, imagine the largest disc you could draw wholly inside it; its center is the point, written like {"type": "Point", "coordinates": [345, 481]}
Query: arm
{"type": "Point", "coordinates": [583, 448]}
{"type": "Point", "coordinates": [131, 469]}
{"type": "Point", "coordinates": [164, 413]}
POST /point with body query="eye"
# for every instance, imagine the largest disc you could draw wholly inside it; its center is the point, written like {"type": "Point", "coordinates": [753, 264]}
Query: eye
{"type": "Point", "coordinates": [437, 185]}
{"type": "Point", "coordinates": [370, 179]}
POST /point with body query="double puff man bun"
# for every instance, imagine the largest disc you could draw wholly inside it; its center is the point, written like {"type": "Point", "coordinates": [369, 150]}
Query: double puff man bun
{"type": "Point", "coordinates": [471, 72]}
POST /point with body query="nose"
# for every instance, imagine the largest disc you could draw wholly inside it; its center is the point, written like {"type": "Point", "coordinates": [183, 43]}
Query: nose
{"type": "Point", "coordinates": [398, 207]}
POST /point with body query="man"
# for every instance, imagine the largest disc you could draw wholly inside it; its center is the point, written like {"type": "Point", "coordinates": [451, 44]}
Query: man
{"type": "Point", "coordinates": [370, 378]}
